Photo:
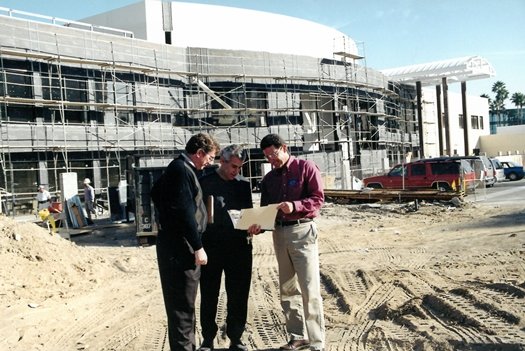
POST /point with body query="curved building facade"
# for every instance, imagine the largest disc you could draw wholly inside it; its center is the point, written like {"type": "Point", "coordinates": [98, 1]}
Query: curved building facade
{"type": "Point", "coordinates": [228, 28]}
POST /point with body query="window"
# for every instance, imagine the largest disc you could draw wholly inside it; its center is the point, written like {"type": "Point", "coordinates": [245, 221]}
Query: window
{"type": "Point", "coordinates": [419, 169]}
{"type": "Point", "coordinates": [50, 88]}
{"type": "Point", "coordinates": [167, 37]}
{"type": "Point", "coordinates": [76, 90]}
{"type": "Point", "coordinates": [19, 84]}
{"type": "Point", "coordinates": [445, 168]}
{"type": "Point", "coordinates": [398, 171]}
{"type": "Point", "coordinates": [20, 113]}
{"type": "Point", "coordinates": [481, 126]}
{"type": "Point", "coordinates": [144, 117]}
{"type": "Point", "coordinates": [460, 121]}
{"type": "Point", "coordinates": [474, 122]}
{"type": "Point", "coordinates": [240, 100]}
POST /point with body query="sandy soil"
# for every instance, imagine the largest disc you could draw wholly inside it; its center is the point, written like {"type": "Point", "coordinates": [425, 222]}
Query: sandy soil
{"type": "Point", "coordinates": [440, 278]}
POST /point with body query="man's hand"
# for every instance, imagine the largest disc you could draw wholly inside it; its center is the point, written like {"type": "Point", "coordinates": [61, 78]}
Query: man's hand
{"type": "Point", "coordinates": [254, 229]}
{"type": "Point", "coordinates": [201, 258]}
{"type": "Point", "coordinates": [286, 207]}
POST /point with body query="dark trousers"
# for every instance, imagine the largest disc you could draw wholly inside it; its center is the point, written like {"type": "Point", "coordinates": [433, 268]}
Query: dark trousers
{"type": "Point", "coordinates": [179, 277]}
{"type": "Point", "coordinates": [235, 260]}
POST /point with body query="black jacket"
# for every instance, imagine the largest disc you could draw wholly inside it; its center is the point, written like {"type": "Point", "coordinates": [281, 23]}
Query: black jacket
{"type": "Point", "coordinates": [176, 195]}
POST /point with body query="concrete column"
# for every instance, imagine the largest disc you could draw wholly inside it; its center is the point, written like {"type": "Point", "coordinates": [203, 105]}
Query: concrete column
{"type": "Point", "coordinates": [420, 121]}
{"type": "Point", "coordinates": [97, 176]}
{"type": "Point", "coordinates": [439, 120]}
{"type": "Point", "coordinates": [465, 117]}
{"type": "Point", "coordinates": [448, 151]}
{"type": "Point", "coordinates": [43, 177]}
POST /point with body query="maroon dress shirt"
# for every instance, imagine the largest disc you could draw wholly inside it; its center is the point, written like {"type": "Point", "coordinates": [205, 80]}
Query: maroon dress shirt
{"type": "Point", "coordinates": [298, 181]}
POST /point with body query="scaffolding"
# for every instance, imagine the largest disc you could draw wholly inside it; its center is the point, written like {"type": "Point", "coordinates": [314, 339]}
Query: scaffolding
{"type": "Point", "coordinates": [84, 101]}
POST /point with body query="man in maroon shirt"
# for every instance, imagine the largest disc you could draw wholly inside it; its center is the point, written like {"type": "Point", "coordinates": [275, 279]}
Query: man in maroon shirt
{"type": "Point", "coordinates": [296, 185]}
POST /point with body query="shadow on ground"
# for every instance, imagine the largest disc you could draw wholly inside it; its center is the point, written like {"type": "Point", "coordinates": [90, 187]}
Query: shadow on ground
{"type": "Point", "coordinates": [106, 233]}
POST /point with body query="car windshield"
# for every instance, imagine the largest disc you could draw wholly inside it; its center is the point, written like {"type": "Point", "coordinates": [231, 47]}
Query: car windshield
{"type": "Point", "coordinates": [397, 171]}
{"type": "Point", "coordinates": [497, 165]}
{"type": "Point", "coordinates": [466, 166]}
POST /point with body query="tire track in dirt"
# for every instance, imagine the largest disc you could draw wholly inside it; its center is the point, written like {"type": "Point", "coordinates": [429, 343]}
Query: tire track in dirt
{"type": "Point", "coordinates": [492, 319]}
{"type": "Point", "coordinates": [418, 318]}
{"type": "Point", "coordinates": [90, 318]}
{"type": "Point", "coordinates": [266, 323]}
{"type": "Point", "coordinates": [355, 294]}
{"type": "Point", "coordinates": [377, 295]}
{"type": "Point", "coordinates": [154, 338]}
{"type": "Point", "coordinates": [149, 334]}
{"type": "Point", "coordinates": [459, 318]}
{"type": "Point", "coordinates": [496, 296]}
{"type": "Point", "coordinates": [122, 327]}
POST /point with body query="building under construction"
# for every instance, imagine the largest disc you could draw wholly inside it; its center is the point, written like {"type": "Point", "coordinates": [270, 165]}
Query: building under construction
{"type": "Point", "coordinates": [89, 99]}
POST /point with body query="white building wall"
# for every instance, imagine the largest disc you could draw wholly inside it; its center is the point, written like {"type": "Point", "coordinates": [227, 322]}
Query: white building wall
{"type": "Point", "coordinates": [476, 106]}
{"type": "Point", "coordinates": [520, 129]}
{"type": "Point", "coordinates": [220, 27]}
{"type": "Point", "coordinates": [507, 144]}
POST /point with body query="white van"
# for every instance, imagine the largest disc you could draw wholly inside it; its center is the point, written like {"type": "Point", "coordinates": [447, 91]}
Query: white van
{"type": "Point", "coordinates": [498, 168]}
{"type": "Point", "coordinates": [490, 173]}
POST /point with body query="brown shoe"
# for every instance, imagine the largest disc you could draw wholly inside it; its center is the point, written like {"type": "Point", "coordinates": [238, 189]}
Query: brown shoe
{"type": "Point", "coordinates": [299, 344]}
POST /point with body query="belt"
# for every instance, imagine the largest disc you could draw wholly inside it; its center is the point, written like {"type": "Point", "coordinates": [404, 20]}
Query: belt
{"type": "Point", "coordinates": [297, 221]}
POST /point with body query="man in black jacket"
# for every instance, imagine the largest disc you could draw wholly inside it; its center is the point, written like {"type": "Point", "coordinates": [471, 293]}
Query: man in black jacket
{"type": "Point", "coordinates": [229, 250]}
{"type": "Point", "coordinates": [182, 220]}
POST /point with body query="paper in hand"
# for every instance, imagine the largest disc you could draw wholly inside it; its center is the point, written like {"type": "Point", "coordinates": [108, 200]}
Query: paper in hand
{"type": "Point", "coordinates": [263, 216]}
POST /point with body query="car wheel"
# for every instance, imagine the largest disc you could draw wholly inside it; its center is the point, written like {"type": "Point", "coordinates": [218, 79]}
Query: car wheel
{"type": "Point", "coordinates": [374, 186]}
{"type": "Point", "coordinates": [442, 187]}
{"type": "Point", "coordinates": [512, 176]}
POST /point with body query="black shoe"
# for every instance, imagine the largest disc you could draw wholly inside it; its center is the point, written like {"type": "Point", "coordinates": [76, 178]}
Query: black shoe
{"type": "Point", "coordinates": [206, 345]}
{"type": "Point", "coordinates": [238, 346]}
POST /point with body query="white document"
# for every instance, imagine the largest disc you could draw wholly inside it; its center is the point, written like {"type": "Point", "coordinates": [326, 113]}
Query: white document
{"type": "Point", "coordinates": [263, 216]}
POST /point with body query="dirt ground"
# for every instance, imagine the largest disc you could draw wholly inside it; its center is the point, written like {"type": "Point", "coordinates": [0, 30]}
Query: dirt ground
{"type": "Point", "coordinates": [439, 278]}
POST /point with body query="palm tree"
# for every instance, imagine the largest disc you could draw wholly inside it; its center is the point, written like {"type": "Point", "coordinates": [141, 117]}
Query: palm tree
{"type": "Point", "coordinates": [518, 99]}
{"type": "Point", "coordinates": [502, 94]}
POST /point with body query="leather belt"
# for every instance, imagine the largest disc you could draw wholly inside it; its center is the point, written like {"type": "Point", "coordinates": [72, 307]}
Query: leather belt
{"type": "Point", "coordinates": [297, 221]}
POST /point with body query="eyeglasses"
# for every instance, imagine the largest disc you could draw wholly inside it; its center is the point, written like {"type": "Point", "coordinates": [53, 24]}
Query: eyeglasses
{"type": "Point", "coordinates": [273, 155]}
{"type": "Point", "coordinates": [209, 157]}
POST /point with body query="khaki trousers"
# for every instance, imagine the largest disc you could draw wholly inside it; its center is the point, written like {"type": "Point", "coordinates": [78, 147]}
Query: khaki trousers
{"type": "Point", "coordinates": [297, 255]}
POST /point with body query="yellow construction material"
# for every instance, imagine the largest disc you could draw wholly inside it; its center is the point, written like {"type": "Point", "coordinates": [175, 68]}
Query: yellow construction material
{"type": "Point", "coordinates": [48, 218]}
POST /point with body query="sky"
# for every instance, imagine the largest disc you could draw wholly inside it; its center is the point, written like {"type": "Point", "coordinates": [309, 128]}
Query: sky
{"type": "Point", "coordinates": [389, 33]}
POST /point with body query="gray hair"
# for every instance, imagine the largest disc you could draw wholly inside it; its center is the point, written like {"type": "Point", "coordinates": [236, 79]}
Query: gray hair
{"type": "Point", "coordinates": [233, 150]}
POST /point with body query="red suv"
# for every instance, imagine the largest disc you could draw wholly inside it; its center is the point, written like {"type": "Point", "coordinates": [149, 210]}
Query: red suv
{"type": "Point", "coordinates": [428, 173]}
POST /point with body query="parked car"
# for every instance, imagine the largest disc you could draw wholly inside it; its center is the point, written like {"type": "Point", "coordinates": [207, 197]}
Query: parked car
{"type": "Point", "coordinates": [482, 166]}
{"type": "Point", "coordinates": [490, 175]}
{"type": "Point", "coordinates": [512, 170]}
{"type": "Point", "coordinates": [427, 173]}
{"type": "Point", "coordinates": [498, 170]}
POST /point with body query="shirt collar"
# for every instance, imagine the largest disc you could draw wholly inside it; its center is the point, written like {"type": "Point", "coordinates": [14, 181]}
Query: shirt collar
{"type": "Point", "coordinates": [286, 166]}
{"type": "Point", "coordinates": [188, 159]}
{"type": "Point", "coordinates": [289, 162]}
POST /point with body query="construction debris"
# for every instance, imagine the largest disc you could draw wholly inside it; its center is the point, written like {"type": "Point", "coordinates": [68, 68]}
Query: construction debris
{"type": "Point", "coordinates": [376, 195]}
